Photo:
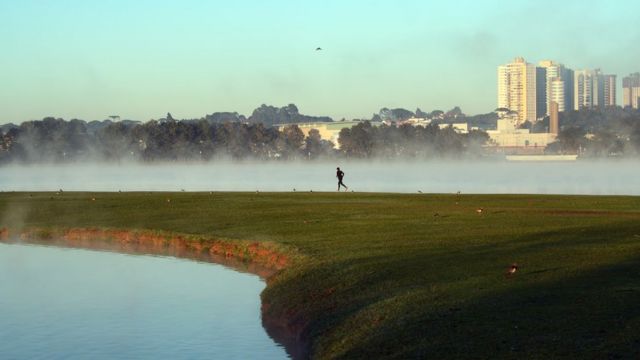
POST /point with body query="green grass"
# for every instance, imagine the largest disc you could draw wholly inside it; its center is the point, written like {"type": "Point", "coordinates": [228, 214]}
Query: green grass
{"type": "Point", "coordinates": [384, 276]}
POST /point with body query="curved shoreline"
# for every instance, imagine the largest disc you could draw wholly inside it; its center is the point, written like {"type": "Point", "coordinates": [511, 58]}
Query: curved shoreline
{"type": "Point", "coordinates": [264, 259]}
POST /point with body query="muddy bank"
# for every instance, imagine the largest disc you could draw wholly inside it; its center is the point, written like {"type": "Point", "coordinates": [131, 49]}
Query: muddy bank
{"type": "Point", "coordinates": [264, 259]}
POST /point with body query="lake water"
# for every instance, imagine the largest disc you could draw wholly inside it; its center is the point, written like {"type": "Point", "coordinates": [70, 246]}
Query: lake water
{"type": "Point", "coordinates": [578, 177]}
{"type": "Point", "coordinates": [80, 304]}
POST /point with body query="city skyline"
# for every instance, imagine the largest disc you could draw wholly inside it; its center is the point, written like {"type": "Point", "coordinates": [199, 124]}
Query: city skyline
{"type": "Point", "coordinates": [529, 90]}
{"type": "Point", "coordinates": [140, 61]}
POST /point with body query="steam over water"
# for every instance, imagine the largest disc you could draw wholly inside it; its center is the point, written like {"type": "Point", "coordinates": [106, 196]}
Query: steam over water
{"type": "Point", "coordinates": [579, 177]}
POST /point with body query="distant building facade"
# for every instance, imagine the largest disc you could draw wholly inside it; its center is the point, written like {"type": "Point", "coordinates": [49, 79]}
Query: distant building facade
{"type": "Point", "coordinates": [517, 89]}
{"type": "Point", "coordinates": [414, 121]}
{"type": "Point", "coordinates": [541, 92]}
{"type": "Point", "coordinates": [460, 128]}
{"type": "Point", "coordinates": [508, 138]}
{"type": "Point", "coordinates": [609, 90]}
{"type": "Point", "coordinates": [329, 130]}
{"type": "Point", "coordinates": [558, 86]}
{"type": "Point", "coordinates": [631, 91]}
{"type": "Point", "coordinates": [594, 89]}
{"type": "Point", "coordinates": [586, 89]}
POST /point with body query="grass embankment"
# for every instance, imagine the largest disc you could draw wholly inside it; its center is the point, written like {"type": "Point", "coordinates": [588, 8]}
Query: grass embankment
{"type": "Point", "coordinates": [410, 276]}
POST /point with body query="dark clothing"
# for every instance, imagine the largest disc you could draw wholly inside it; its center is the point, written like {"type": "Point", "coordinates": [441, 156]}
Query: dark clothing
{"type": "Point", "coordinates": [340, 176]}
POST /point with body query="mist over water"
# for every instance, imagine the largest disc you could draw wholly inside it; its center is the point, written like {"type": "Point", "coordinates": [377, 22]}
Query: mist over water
{"type": "Point", "coordinates": [579, 177]}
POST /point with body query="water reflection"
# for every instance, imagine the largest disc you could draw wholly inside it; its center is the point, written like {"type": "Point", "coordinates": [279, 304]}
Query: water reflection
{"type": "Point", "coordinates": [75, 303]}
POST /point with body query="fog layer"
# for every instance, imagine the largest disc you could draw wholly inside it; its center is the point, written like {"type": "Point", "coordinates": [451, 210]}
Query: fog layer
{"type": "Point", "coordinates": [580, 177]}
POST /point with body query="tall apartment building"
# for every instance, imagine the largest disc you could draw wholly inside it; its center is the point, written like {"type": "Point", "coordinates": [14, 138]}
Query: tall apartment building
{"type": "Point", "coordinates": [541, 92]}
{"type": "Point", "coordinates": [517, 89]}
{"type": "Point", "coordinates": [609, 90]}
{"type": "Point", "coordinates": [558, 86]}
{"type": "Point", "coordinates": [594, 89]}
{"type": "Point", "coordinates": [587, 86]}
{"type": "Point", "coordinates": [631, 91]}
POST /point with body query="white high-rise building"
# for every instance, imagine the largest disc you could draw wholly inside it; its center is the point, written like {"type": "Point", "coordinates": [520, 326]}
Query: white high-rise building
{"type": "Point", "coordinates": [556, 82]}
{"type": "Point", "coordinates": [586, 86]}
{"type": "Point", "coordinates": [555, 93]}
{"type": "Point", "coordinates": [594, 89]}
{"type": "Point", "coordinates": [517, 89]}
{"type": "Point", "coordinates": [608, 90]}
{"type": "Point", "coordinates": [631, 91]}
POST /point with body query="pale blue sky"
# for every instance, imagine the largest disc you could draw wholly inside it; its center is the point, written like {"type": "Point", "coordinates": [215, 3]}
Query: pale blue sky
{"type": "Point", "coordinates": [141, 59]}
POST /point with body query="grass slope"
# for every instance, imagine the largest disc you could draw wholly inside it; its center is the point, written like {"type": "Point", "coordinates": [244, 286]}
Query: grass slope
{"type": "Point", "coordinates": [412, 276]}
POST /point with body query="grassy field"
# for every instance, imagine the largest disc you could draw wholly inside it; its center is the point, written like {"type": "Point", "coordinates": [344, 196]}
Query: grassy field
{"type": "Point", "coordinates": [412, 276]}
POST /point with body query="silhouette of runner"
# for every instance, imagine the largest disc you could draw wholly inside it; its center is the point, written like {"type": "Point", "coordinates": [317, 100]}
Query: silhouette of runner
{"type": "Point", "coordinates": [340, 175]}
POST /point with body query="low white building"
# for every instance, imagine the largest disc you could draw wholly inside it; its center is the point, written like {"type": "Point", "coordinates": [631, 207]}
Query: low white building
{"type": "Point", "coordinates": [415, 122]}
{"type": "Point", "coordinates": [329, 130]}
{"type": "Point", "coordinates": [460, 128]}
{"type": "Point", "coordinates": [508, 136]}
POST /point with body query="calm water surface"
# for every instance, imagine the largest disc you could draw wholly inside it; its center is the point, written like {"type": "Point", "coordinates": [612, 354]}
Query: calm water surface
{"type": "Point", "coordinates": [81, 304]}
{"type": "Point", "coordinates": [604, 177]}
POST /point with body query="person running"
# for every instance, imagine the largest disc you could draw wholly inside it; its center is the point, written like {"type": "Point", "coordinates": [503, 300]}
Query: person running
{"type": "Point", "coordinates": [340, 175]}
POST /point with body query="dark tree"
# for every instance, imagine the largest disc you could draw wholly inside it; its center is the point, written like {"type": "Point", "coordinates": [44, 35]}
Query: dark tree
{"type": "Point", "coordinates": [571, 139]}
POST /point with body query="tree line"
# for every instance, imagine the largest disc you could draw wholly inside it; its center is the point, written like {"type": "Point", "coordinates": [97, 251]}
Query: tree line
{"type": "Point", "coordinates": [600, 132]}
{"type": "Point", "coordinates": [406, 141]}
{"type": "Point", "coordinates": [591, 133]}
{"type": "Point", "coordinates": [57, 140]}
